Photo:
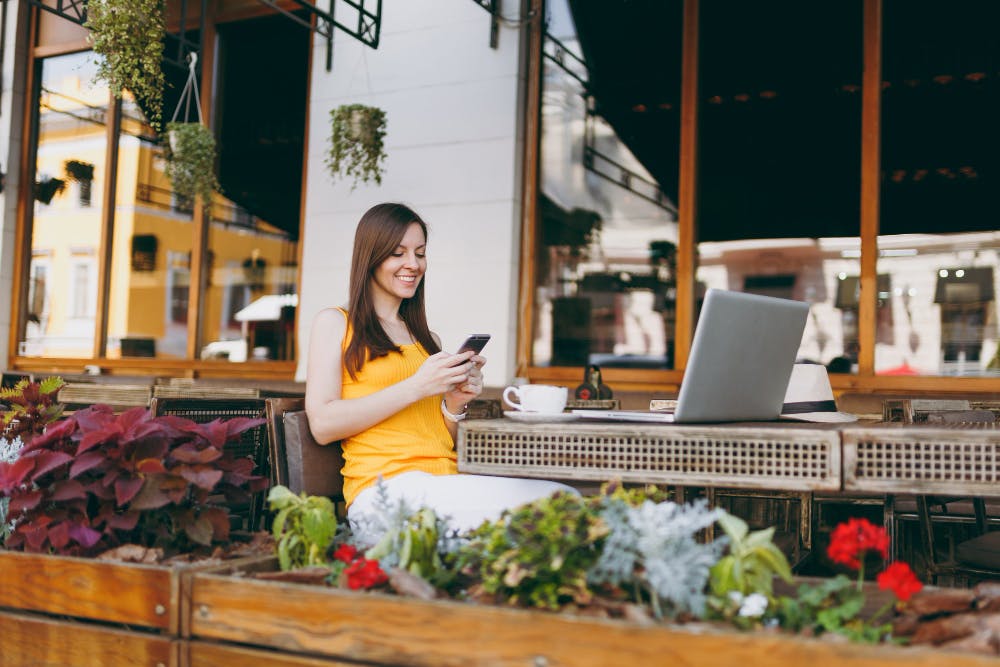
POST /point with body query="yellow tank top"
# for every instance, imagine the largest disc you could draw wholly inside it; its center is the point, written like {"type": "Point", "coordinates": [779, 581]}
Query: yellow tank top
{"type": "Point", "coordinates": [414, 438]}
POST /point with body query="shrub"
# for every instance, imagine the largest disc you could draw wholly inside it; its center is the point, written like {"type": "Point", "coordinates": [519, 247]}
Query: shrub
{"type": "Point", "coordinates": [97, 480]}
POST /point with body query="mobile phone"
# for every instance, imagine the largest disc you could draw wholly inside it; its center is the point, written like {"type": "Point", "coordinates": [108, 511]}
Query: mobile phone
{"type": "Point", "coordinates": [475, 342]}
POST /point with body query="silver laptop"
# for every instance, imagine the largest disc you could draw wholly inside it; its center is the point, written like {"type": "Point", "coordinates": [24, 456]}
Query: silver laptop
{"type": "Point", "coordinates": [741, 360]}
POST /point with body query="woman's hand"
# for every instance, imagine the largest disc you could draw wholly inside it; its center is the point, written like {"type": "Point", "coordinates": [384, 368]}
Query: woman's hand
{"type": "Point", "coordinates": [442, 372]}
{"type": "Point", "coordinates": [457, 396]}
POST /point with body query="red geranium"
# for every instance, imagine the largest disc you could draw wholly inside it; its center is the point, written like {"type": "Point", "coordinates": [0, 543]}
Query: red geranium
{"type": "Point", "coordinates": [364, 573]}
{"type": "Point", "coordinates": [850, 541]}
{"type": "Point", "coordinates": [900, 579]}
{"type": "Point", "coordinates": [345, 553]}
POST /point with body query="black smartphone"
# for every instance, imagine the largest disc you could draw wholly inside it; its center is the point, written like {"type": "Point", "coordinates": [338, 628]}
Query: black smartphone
{"type": "Point", "coordinates": [475, 342]}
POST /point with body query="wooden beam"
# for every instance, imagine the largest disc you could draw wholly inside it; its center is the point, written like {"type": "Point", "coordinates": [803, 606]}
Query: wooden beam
{"type": "Point", "coordinates": [113, 120]}
{"type": "Point", "coordinates": [871, 109]}
{"type": "Point", "coordinates": [687, 187]}
{"type": "Point", "coordinates": [530, 191]}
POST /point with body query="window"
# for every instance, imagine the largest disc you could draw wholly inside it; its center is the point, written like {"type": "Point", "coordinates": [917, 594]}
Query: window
{"type": "Point", "coordinates": [81, 288]}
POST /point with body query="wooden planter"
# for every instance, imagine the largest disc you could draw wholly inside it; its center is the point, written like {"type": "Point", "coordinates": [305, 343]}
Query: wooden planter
{"type": "Point", "coordinates": [140, 596]}
{"type": "Point", "coordinates": [386, 629]}
{"type": "Point", "coordinates": [27, 639]}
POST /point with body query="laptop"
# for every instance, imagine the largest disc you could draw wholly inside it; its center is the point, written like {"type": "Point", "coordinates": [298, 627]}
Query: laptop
{"type": "Point", "coordinates": [740, 363]}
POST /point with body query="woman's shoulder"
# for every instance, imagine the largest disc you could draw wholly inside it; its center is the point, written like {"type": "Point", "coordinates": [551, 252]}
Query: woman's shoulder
{"type": "Point", "coordinates": [333, 319]}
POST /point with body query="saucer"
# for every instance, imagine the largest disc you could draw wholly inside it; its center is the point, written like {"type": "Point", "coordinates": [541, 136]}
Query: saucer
{"type": "Point", "coordinates": [540, 418]}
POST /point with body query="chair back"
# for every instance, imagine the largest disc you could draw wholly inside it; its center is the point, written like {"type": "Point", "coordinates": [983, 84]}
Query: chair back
{"type": "Point", "coordinates": [312, 468]}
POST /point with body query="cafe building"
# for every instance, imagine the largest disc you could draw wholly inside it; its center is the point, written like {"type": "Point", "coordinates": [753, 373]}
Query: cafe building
{"type": "Point", "coordinates": [587, 170]}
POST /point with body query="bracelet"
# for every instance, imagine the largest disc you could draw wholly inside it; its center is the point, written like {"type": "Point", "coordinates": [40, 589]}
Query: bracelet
{"type": "Point", "coordinates": [449, 416]}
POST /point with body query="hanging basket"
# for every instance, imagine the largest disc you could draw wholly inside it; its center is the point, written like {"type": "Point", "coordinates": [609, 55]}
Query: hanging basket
{"type": "Point", "coordinates": [190, 147]}
{"type": "Point", "coordinates": [357, 144]}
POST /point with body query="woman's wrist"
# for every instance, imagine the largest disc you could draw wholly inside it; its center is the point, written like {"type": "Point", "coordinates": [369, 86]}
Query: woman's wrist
{"type": "Point", "coordinates": [455, 415]}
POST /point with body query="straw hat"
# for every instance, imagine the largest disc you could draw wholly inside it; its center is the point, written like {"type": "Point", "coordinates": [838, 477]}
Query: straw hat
{"type": "Point", "coordinates": [809, 397]}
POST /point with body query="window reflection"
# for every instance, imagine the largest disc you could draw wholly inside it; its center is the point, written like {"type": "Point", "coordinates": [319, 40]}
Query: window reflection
{"type": "Point", "coordinates": [779, 153]}
{"type": "Point", "coordinates": [941, 98]}
{"type": "Point", "coordinates": [66, 216]}
{"type": "Point", "coordinates": [607, 219]}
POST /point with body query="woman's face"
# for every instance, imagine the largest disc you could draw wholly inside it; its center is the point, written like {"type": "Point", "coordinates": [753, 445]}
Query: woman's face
{"type": "Point", "coordinates": [400, 273]}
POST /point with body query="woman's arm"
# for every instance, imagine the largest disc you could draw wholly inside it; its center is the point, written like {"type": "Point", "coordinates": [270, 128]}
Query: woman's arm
{"type": "Point", "coordinates": [334, 418]}
{"type": "Point", "coordinates": [457, 397]}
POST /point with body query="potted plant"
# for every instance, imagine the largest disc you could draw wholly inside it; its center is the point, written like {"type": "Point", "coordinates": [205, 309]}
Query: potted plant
{"type": "Point", "coordinates": [357, 143]}
{"type": "Point", "coordinates": [47, 188]}
{"type": "Point", "coordinates": [191, 155]}
{"type": "Point", "coordinates": [128, 36]}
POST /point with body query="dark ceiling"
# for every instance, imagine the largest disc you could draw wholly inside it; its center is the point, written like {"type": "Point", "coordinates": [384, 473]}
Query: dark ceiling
{"type": "Point", "coordinates": [263, 77]}
{"type": "Point", "coordinates": [780, 110]}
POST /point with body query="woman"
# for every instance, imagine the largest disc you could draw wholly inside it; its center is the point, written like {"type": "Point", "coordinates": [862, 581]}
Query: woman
{"type": "Point", "coordinates": [378, 380]}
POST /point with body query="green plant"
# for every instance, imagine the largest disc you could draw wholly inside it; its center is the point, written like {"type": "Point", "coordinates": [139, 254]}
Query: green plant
{"type": "Point", "coordinates": [128, 36]}
{"type": "Point", "coordinates": [191, 160]}
{"type": "Point", "coordinates": [32, 407]}
{"type": "Point", "coordinates": [414, 547]}
{"type": "Point", "coordinates": [79, 171]}
{"type": "Point", "coordinates": [304, 528]}
{"type": "Point", "coordinates": [357, 143]}
{"type": "Point", "coordinates": [537, 554]}
{"type": "Point", "coordinates": [47, 188]}
{"type": "Point", "coordinates": [752, 562]}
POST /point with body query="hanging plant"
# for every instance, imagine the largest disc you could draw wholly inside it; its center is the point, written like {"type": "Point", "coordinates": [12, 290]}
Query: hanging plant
{"type": "Point", "coordinates": [79, 171]}
{"type": "Point", "coordinates": [190, 147]}
{"type": "Point", "coordinates": [128, 36]}
{"type": "Point", "coordinates": [47, 188]}
{"type": "Point", "coordinates": [357, 143]}
{"type": "Point", "coordinates": [190, 153]}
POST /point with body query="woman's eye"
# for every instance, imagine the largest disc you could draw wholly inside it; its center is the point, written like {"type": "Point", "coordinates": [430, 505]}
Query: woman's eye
{"type": "Point", "coordinates": [421, 256]}
{"type": "Point", "coordinates": [397, 254]}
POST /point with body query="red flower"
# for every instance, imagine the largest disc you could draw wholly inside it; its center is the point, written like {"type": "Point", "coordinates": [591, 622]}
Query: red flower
{"type": "Point", "coordinates": [345, 553]}
{"type": "Point", "coordinates": [364, 573]}
{"type": "Point", "coordinates": [899, 578]}
{"type": "Point", "coordinates": [852, 539]}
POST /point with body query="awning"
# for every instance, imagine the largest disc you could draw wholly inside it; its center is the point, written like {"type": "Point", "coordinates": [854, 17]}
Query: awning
{"type": "Point", "coordinates": [267, 308]}
{"type": "Point", "coordinates": [964, 285]}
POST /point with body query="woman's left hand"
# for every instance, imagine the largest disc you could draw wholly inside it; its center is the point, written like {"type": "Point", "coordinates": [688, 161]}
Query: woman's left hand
{"type": "Point", "coordinates": [471, 388]}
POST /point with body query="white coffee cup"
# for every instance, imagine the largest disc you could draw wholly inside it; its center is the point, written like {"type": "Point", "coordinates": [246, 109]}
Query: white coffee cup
{"type": "Point", "coordinates": [540, 398]}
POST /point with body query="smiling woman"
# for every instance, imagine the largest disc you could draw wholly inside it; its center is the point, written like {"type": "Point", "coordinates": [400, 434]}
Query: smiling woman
{"type": "Point", "coordinates": [378, 380]}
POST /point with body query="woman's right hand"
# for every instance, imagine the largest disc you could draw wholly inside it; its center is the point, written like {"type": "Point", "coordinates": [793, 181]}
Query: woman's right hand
{"type": "Point", "coordinates": [442, 371]}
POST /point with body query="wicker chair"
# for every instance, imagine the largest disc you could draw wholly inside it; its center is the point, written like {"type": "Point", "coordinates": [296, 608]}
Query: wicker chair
{"type": "Point", "coordinates": [974, 558]}
{"type": "Point", "coordinates": [253, 442]}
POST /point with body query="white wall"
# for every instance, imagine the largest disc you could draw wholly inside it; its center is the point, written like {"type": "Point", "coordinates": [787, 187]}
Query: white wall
{"type": "Point", "coordinates": [11, 131]}
{"type": "Point", "coordinates": [453, 121]}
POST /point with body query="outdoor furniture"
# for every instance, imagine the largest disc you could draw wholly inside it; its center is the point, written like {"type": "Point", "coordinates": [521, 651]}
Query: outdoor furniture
{"type": "Point", "coordinates": [298, 461]}
{"type": "Point", "coordinates": [253, 442]}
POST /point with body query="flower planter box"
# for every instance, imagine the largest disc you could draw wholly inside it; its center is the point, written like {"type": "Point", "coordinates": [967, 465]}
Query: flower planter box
{"type": "Point", "coordinates": [386, 629]}
{"type": "Point", "coordinates": [27, 639]}
{"type": "Point", "coordinates": [140, 596]}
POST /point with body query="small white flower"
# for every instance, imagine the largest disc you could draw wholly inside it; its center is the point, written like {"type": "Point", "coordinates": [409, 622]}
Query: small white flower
{"type": "Point", "coordinates": [754, 605]}
{"type": "Point", "coordinates": [735, 597]}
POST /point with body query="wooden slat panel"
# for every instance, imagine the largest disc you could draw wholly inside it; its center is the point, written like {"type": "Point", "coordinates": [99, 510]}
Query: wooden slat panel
{"type": "Point", "coordinates": [781, 455]}
{"type": "Point", "coordinates": [42, 642]}
{"type": "Point", "coordinates": [137, 595]}
{"type": "Point", "coordinates": [209, 654]}
{"type": "Point", "coordinates": [400, 631]}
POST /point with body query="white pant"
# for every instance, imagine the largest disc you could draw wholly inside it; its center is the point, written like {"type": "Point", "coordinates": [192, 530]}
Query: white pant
{"type": "Point", "coordinates": [465, 500]}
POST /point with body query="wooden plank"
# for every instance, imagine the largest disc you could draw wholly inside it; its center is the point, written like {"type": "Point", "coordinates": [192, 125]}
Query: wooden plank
{"type": "Point", "coordinates": [399, 631]}
{"type": "Point", "coordinates": [210, 654]}
{"type": "Point", "coordinates": [42, 642]}
{"type": "Point", "coordinates": [137, 595]}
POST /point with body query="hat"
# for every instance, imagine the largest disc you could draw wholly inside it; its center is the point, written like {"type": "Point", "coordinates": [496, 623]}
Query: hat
{"type": "Point", "coordinates": [809, 397]}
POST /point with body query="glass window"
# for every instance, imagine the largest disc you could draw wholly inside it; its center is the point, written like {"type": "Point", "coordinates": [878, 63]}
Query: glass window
{"type": "Point", "coordinates": [65, 235]}
{"type": "Point", "coordinates": [607, 215]}
{"type": "Point", "coordinates": [779, 155]}
{"type": "Point", "coordinates": [151, 247]}
{"type": "Point", "coordinates": [940, 168]}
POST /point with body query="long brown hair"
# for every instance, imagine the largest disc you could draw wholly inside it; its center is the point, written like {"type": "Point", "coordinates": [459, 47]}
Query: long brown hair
{"type": "Point", "coordinates": [379, 233]}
